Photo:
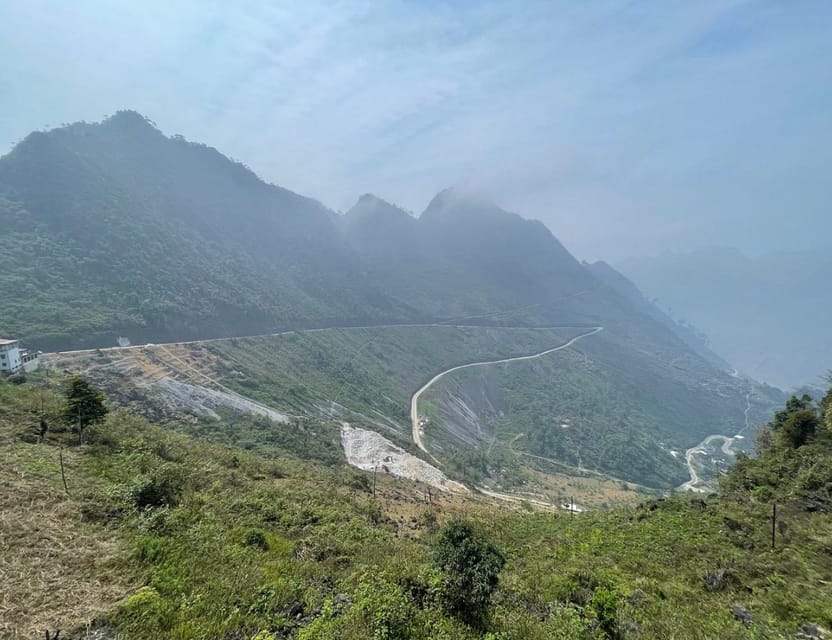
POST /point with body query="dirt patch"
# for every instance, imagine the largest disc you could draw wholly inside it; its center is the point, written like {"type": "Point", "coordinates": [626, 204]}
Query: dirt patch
{"type": "Point", "coordinates": [369, 450]}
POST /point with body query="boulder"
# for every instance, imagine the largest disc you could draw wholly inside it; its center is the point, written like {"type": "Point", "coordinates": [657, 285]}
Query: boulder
{"type": "Point", "coordinates": [811, 631]}
{"type": "Point", "coordinates": [742, 614]}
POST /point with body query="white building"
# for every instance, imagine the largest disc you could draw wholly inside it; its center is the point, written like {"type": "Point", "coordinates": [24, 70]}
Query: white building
{"type": "Point", "coordinates": [10, 361]}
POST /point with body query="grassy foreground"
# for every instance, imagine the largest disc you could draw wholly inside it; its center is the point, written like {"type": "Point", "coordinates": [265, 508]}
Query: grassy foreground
{"type": "Point", "coordinates": [159, 535]}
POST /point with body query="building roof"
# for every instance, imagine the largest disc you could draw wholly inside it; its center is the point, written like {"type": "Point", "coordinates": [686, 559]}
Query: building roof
{"type": "Point", "coordinates": [4, 341]}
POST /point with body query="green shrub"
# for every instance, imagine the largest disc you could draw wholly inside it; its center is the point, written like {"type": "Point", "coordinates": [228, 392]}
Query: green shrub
{"type": "Point", "coordinates": [256, 538]}
{"type": "Point", "coordinates": [159, 489]}
{"type": "Point", "coordinates": [604, 605]}
{"type": "Point", "coordinates": [381, 611]}
{"type": "Point", "coordinates": [471, 567]}
{"type": "Point", "coordinates": [146, 609]}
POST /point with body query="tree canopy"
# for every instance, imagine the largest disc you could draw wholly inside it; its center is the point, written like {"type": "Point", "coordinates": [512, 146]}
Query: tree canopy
{"type": "Point", "coordinates": [83, 405]}
{"type": "Point", "coordinates": [471, 567]}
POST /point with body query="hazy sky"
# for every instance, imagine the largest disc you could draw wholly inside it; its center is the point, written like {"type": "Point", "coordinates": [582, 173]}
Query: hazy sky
{"type": "Point", "coordinates": [626, 126]}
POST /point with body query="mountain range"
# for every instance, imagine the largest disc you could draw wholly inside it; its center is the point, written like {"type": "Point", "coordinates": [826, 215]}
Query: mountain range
{"type": "Point", "coordinates": [114, 229]}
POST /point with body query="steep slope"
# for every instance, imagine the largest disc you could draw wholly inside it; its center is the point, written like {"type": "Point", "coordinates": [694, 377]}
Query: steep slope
{"type": "Point", "coordinates": [382, 235]}
{"type": "Point", "coordinates": [166, 537]}
{"type": "Point", "coordinates": [466, 256]}
{"type": "Point", "coordinates": [379, 229]}
{"type": "Point", "coordinates": [643, 389]}
{"type": "Point", "coordinates": [114, 229]}
{"type": "Point", "coordinates": [618, 281]}
{"type": "Point", "coordinates": [494, 249]}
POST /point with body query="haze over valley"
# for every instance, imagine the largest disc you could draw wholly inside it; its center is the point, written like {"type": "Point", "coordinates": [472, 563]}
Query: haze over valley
{"type": "Point", "coordinates": [739, 304]}
{"type": "Point", "coordinates": [454, 350]}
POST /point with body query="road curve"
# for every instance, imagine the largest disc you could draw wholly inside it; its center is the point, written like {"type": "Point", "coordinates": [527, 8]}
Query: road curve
{"type": "Point", "coordinates": [414, 401]}
{"type": "Point", "coordinates": [727, 441]}
{"type": "Point", "coordinates": [691, 485]}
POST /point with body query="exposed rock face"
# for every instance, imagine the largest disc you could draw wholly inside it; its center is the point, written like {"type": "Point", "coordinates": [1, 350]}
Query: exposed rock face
{"type": "Point", "coordinates": [203, 401]}
{"type": "Point", "coordinates": [368, 450]}
{"type": "Point", "coordinates": [812, 631]}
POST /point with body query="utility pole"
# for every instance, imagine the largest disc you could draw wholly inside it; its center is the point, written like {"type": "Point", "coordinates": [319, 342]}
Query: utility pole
{"type": "Point", "coordinates": [42, 425]}
{"type": "Point", "coordinates": [773, 522]}
{"type": "Point", "coordinates": [374, 480]}
{"type": "Point", "coordinates": [63, 475]}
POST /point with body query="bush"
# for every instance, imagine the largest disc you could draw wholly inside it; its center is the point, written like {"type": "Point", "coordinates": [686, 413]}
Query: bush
{"type": "Point", "coordinates": [161, 489]}
{"type": "Point", "coordinates": [146, 609]}
{"type": "Point", "coordinates": [256, 538]}
{"type": "Point", "coordinates": [381, 611]}
{"type": "Point", "coordinates": [605, 606]}
{"type": "Point", "coordinates": [471, 568]}
{"type": "Point", "coordinates": [799, 428]}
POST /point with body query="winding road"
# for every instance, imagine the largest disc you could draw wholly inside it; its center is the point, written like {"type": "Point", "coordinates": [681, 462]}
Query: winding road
{"type": "Point", "coordinates": [414, 401]}
{"type": "Point", "coordinates": [701, 448]}
{"type": "Point", "coordinates": [690, 485]}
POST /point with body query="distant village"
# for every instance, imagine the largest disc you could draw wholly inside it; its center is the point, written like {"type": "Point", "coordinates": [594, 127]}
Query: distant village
{"type": "Point", "coordinates": [15, 360]}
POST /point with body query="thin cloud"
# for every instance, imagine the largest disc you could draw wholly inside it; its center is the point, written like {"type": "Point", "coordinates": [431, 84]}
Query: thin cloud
{"type": "Point", "coordinates": [619, 124]}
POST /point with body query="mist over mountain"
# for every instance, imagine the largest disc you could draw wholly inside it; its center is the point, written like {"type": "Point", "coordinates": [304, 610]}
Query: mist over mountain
{"type": "Point", "coordinates": [767, 315]}
{"type": "Point", "coordinates": [116, 230]}
{"type": "Point", "coordinates": [415, 320]}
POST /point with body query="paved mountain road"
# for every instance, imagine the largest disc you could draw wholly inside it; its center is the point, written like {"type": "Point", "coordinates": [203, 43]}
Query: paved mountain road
{"type": "Point", "coordinates": [414, 401]}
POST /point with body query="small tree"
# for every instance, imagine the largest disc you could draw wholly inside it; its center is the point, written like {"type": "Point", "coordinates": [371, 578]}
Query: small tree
{"type": "Point", "coordinates": [83, 405]}
{"type": "Point", "coordinates": [471, 568]}
{"type": "Point", "coordinates": [799, 427]}
{"type": "Point", "coordinates": [793, 405]}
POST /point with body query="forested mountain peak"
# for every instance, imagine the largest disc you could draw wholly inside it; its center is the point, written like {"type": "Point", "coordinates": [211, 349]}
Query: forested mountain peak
{"type": "Point", "coordinates": [456, 202]}
{"type": "Point", "coordinates": [129, 119]}
{"type": "Point", "coordinates": [371, 207]}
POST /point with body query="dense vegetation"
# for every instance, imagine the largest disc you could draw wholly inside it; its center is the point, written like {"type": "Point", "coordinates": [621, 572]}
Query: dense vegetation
{"type": "Point", "coordinates": [115, 229]}
{"type": "Point", "coordinates": [163, 536]}
{"type": "Point", "coordinates": [792, 460]}
{"type": "Point", "coordinates": [487, 423]}
{"type": "Point", "coordinates": [89, 255]}
{"type": "Point", "coordinates": [561, 412]}
{"type": "Point", "coordinates": [371, 373]}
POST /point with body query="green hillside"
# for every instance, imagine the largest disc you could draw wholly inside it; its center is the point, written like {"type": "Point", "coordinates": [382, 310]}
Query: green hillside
{"type": "Point", "coordinates": [163, 536]}
{"type": "Point", "coordinates": [600, 387]}
{"type": "Point", "coordinates": [369, 371]}
{"type": "Point", "coordinates": [625, 410]}
{"type": "Point", "coordinates": [115, 229]}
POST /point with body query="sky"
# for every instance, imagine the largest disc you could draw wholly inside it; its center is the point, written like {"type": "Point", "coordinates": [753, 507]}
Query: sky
{"type": "Point", "coordinates": [628, 127]}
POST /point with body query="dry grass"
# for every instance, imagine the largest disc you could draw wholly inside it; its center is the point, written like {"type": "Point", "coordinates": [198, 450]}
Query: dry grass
{"type": "Point", "coordinates": [56, 571]}
{"type": "Point", "coordinates": [588, 491]}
